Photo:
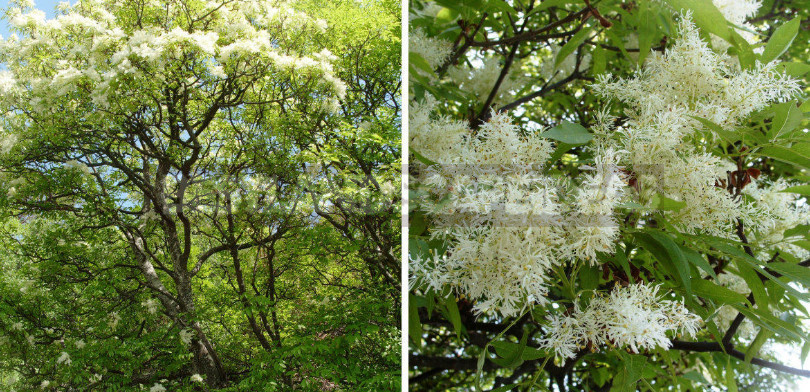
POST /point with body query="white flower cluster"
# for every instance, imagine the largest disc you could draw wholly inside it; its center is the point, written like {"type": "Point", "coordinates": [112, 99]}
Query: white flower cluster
{"type": "Point", "coordinates": [157, 388]}
{"type": "Point", "coordinates": [89, 48]}
{"type": "Point", "coordinates": [508, 223]}
{"type": "Point", "coordinates": [689, 80]}
{"type": "Point", "coordinates": [186, 335]}
{"type": "Point", "coordinates": [737, 12]}
{"type": "Point", "coordinates": [777, 211]}
{"type": "Point", "coordinates": [64, 358]}
{"type": "Point", "coordinates": [115, 318]}
{"type": "Point", "coordinates": [151, 305]}
{"type": "Point", "coordinates": [635, 317]}
{"type": "Point", "coordinates": [434, 51]}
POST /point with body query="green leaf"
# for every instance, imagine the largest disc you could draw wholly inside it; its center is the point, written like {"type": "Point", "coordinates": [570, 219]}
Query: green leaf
{"type": "Point", "coordinates": [418, 249]}
{"type": "Point", "coordinates": [418, 224]}
{"type": "Point", "coordinates": [511, 353]}
{"type": "Point", "coordinates": [571, 45]}
{"type": "Point", "coordinates": [753, 349]}
{"type": "Point", "coordinates": [619, 43]}
{"type": "Point", "coordinates": [669, 254]}
{"type": "Point", "coordinates": [805, 351]}
{"type": "Point", "coordinates": [803, 190]}
{"type": "Point", "coordinates": [731, 374]}
{"type": "Point", "coordinates": [745, 53]}
{"type": "Point", "coordinates": [502, 6]}
{"type": "Point", "coordinates": [632, 369]}
{"type": "Point", "coordinates": [453, 315]}
{"type": "Point", "coordinates": [755, 265]}
{"type": "Point", "coordinates": [599, 61]}
{"type": "Point", "coordinates": [795, 272]}
{"type": "Point", "coordinates": [723, 295]}
{"type": "Point", "coordinates": [780, 40]}
{"type": "Point", "coordinates": [416, 60]}
{"type": "Point", "coordinates": [796, 70]}
{"type": "Point", "coordinates": [800, 230]}
{"type": "Point", "coordinates": [414, 325]}
{"type": "Point", "coordinates": [480, 366]}
{"type": "Point", "coordinates": [805, 106]}
{"type": "Point", "coordinates": [727, 136]}
{"type": "Point", "coordinates": [421, 158]}
{"type": "Point", "coordinates": [446, 15]}
{"type": "Point", "coordinates": [551, 3]}
{"type": "Point", "coordinates": [561, 149]}
{"type": "Point", "coordinates": [774, 324]}
{"type": "Point", "coordinates": [620, 259]}
{"type": "Point", "coordinates": [568, 133]}
{"type": "Point", "coordinates": [705, 15]}
{"type": "Point", "coordinates": [663, 203]}
{"type": "Point", "coordinates": [786, 118]}
{"type": "Point", "coordinates": [588, 277]}
{"type": "Point", "coordinates": [695, 376]}
{"type": "Point", "coordinates": [753, 281]}
{"type": "Point", "coordinates": [505, 388]}
{"type": "Point", "coordinates": [698, 261]}
{"type": "Point", "coordinates": [531, 353]}
{"type": "Point", "coordinates": [798, 155]}
{"type": "Point", "coordinates": [646, 30]}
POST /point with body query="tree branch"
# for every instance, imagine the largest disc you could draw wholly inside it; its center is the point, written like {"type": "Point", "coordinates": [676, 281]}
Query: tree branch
{"type": "Point", "coordinates": [715, 347]}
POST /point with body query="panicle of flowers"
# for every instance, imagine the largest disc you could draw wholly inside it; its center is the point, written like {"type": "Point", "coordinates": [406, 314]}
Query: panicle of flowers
{"type": "Point", "coordinates": [151, 305]}
{"type": "Point", "coordinates": [636, 317]}
{"type": "Point", "coordinates": [690, 77]}
{"type": "Point", "coordinates": [86, 47]}
{"type": "Point", "coordinates": [777, 211]}
{"type": "Point", "coordinates": [186, 335]}
{"type": "Point", "coordinates": [507, 222]}
{"type": "Point", "coordinates": [738, 12]}
{"type": "Point", "coordinates": [157, 388]}
{"type": "Point", "coordinates": [592, 226]}
{"type": "Point", "coordinates": [114, 319]}
{"type": "Point", "coordinates": [435, 51]}
{"type": "Point", "coordinates": [64, 358]}
{"type": "Point", "coordinates": [689, 80]}
{"type": "Point", "coordinates": [439, 137]}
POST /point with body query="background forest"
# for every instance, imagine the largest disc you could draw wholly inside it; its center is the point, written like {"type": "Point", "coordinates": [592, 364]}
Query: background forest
{"type": "Point", "coordinates": [609, 195]}
{"type": "Point", "coordinates": [200, 196]}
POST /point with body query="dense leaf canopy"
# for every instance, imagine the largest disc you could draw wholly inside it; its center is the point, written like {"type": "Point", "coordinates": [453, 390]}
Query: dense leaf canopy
{"type": "Point", "coordinates": [200, 196]}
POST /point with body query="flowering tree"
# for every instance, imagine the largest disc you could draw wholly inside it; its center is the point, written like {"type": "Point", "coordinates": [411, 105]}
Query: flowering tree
{"type": "Point", "coordinates": [607, 195]}
{"type": "Point", "coordinates": [200, 195]}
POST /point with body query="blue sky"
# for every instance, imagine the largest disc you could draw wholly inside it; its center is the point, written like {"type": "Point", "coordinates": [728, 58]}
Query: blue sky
{"type": "Point", "coordinates": [45, 5]}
